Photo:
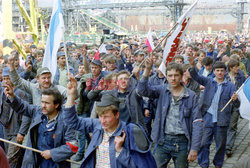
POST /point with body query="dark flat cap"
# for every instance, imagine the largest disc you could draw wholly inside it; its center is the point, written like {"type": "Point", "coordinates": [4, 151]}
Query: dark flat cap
{"type": "Point", "coordinates": [97, 62]}
{"type": "Point", "coordinates": [125, 42]}
{"type": "Point", "coordinates": [5, 71]}
{"type": "Point", "coordinates": [107, 100]}
{"type": "Point", "coordinates": [109, 47]}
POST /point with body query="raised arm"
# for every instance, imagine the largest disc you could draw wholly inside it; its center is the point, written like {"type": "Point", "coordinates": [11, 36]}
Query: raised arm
{"type": "Point", "coordinates": [18, 105]}
{"type": "Point", "coordinates": [70, 117]}
{"type": "Point", "coordinates": [193, 72]}
{"type": "Point", "coordinates": [85, 61]}
{"type": "Point", "coordinates": [16, 79]}
{"type": "Point", "coordinates": [143, 89]}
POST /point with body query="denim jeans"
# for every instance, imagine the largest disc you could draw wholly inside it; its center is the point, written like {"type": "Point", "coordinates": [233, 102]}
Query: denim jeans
{"type": "Point", "coordinates": [175, 147]}
{"type": "Point", "coordinates": [220, 136]}
{"type": "Point", "coordinates": [232, 130]}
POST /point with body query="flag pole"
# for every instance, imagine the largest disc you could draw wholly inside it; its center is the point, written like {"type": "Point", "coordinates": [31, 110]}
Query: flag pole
{"type": "Point", "coordinates": [66, 55]}
{"type": "Point", "coordinates": [33, 149]}
{"type": "Point", "coordinates": [231, 98]}
{"type": "Point", "coordinates": [165, 37]}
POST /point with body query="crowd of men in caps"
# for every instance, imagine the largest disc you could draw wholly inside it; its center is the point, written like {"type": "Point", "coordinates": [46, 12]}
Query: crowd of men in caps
{"type": "Point", "coordinates": [111, 112]}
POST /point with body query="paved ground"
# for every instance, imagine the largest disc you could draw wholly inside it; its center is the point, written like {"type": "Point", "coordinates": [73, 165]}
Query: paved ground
{"type": "Point", "coordinates": [241, 148]}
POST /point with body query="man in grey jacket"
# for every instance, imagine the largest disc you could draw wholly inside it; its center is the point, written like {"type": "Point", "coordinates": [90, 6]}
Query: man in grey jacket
{"type": "Point", "coordinates": [43, 78]}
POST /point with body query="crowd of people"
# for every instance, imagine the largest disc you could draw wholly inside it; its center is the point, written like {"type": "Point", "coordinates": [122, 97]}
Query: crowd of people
{"type": "Point", "coordinates": [117, 109]}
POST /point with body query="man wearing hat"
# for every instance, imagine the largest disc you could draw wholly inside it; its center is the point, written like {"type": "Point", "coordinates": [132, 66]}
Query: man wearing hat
{"type": "Point", "coordinates": [114, 143]}
{"type": "Point", "coordinates": [43, 78]}
{"type": "Point", "coordinates": [134, 46]}
{"type": "Point", "coordinates": [61, 72]}
{"type": "Point", "coordinates": [139, 57]}
{"type": "Point", "coordinates": [10, 122]}
{"type": "Point", "coordinates": [109, 48]}
{"type": "Point", "coordinates": [87, 82]}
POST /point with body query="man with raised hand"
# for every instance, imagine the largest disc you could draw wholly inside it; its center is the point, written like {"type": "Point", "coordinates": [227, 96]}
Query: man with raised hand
{"type": "Point", "coordinates": [47, 131]}
{"type": "Point", "coordinates": [177, 127]}
{"type": "Point", "coordinates": [43, 78]}
{"type": "Point", "coordinates": [114, 143]}
{"type": "Point", "coordinates": [218, 91]}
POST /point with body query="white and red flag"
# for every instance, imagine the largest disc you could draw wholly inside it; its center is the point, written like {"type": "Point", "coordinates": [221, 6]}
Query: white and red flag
{"type": "Point", "coordinates": [149, 41]}
{"type": "Point", "coordinates": [102, 49]}
{"type": "Point", "coordinates": [174, 40]}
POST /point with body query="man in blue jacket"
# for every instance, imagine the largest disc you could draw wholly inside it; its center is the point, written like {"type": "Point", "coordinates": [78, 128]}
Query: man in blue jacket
{"type": "Point", "coordinates": [114, 143]}
{"type": "Point", "coordinates": [47, 131]}
{"type": "Point", "coordinates": [218, 91]}
{"type": "Point", "coordinates": [237, 77]}
{"type": "Point", "coordinates": [177, 127]}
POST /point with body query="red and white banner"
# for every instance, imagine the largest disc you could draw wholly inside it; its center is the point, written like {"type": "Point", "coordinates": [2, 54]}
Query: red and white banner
{"type": "Point", "coordinates": [149, 41]}
{"type": "Point", "coordinates": [174, 40]}
{"type": "Point", "coordinates": [102, 49]}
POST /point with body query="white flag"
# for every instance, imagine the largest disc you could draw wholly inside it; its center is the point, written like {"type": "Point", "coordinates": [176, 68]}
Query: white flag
{"type": "Point", "coordinates": [174, 40]}
{"type": "Point", "coordinates": [56, 33]}
{"type": "Point", "coordinates": [244, 97]}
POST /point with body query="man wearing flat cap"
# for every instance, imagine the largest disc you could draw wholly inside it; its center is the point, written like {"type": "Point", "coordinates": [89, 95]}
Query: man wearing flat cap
{"type": "Point", "coordinates": [139, 57]}
{"type": "Point", "coordinates": [61, 72]}
{"type": "Point", "coordinates": [114, 143]}
{"type": "Point", "coordinates": [109, 48]}
{"type": "Point", "coordinates": [43, 78]}
{"type": "Point", "coordinates": [84, 106]}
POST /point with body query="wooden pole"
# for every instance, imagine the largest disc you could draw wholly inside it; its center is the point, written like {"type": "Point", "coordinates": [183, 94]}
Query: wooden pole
{"type": "Point", "coordinates": [231, 98]}
{"type": "Point", "coordinates": [165, 37]}
{"type": "Point", "coordinates": [33, 149]}
{"type": "Point", "coordinates": [66, 55]}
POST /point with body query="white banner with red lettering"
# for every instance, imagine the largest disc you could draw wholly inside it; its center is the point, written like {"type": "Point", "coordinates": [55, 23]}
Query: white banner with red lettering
{"type": "Point", "coordinates": [174, 40]}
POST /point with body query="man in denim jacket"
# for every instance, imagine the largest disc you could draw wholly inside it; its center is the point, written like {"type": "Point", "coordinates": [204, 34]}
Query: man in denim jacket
{"type": "Point", "coordinates": [218, 91]}
{"type": "Point", "coordinates": [177, 127]}
{"type": "Point", "coordinates": [114, 143]}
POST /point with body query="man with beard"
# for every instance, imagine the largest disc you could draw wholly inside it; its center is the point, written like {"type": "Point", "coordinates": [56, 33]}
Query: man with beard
{"type": "Point", "coordinates": [47, 131]}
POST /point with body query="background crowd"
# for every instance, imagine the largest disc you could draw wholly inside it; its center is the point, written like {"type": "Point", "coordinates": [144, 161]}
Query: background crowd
{"type": "Point", "coordinates": [132, 85]}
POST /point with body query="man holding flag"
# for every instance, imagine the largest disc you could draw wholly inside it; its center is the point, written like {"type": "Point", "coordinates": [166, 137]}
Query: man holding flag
{"type": "Point", "coordinates": [218, 91]}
